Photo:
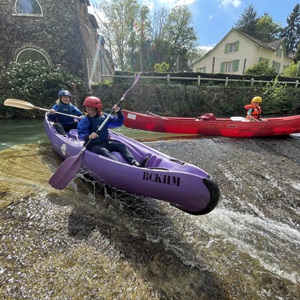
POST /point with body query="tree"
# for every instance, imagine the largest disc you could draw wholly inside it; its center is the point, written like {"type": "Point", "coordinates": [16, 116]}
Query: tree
{"type": "Point", "coordinates": [297, 55]}
{"type": "Point", "coordinates": [197, 54]}
{"type": "Point", "coordinates": [138, 44]}
{"type": "Point", "coordinates": [262, 28]}
{"type": "Point", "coordinates": [181, 36]}
{"type": "Point", "coordinates": [291, 32]}
{"type": "Point", "coordinates": [160, 50]}
{"type": "Point", "coordinates": [247, 21]}
{"type": "Point", "coordinates": [118, 24]}
{"type": "Point", "coordinates": [266, 30]}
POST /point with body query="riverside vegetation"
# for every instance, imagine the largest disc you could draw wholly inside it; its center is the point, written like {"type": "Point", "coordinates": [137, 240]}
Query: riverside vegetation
{"type": "Point", "coordinates": [39, 85]}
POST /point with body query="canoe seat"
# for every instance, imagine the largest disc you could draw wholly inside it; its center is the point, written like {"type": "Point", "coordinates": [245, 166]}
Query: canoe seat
{"type": "Point", "coordinates": [73, 134]}
{"type": "Point", "coordinates": [153, 162]}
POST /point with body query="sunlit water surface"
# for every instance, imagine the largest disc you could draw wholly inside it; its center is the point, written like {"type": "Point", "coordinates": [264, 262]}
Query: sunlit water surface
{"type": "Point", "coordinates": [90, 241]}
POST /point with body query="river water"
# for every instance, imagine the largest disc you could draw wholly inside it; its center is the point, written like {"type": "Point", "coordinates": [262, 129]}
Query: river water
{"type": "Point", "coordinates": [91, 241]}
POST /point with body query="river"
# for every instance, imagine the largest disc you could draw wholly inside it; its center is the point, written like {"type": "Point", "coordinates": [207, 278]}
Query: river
{"type": "Point", "coordinates": [91, 241]}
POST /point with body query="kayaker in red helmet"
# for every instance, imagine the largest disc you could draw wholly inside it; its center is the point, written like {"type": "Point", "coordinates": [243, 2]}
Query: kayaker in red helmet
{"type": "Point", "coordinates": [254, 110]}
{"type": "Point", "coordinates": [101, 144]}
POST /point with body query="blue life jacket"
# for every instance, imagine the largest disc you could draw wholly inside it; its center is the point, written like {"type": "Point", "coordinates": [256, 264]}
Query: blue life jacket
{"type": "Point", "coordinates": [69, 109]}
{"type": "Point", "coordinates": [103, 133]}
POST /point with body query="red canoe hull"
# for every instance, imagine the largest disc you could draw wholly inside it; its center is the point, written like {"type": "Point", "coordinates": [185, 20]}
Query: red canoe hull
{"type": "Point", "coordinates": [219, 127]}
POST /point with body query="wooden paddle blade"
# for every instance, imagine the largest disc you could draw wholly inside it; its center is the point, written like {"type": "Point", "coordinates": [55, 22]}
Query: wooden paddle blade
{"type": "Point", "coordinates": [19, 104]}
{"type": "Point", "coordinates": [66, 172]}
{"type": "Point", "coordinates": [27, 105]}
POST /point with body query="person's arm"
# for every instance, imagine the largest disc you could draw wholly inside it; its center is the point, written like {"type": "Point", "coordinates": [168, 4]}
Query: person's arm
{"type": "Point", "coordinates": [76, 111]}
{"type": "Point", "coordinates": [116, 121]}
{"type": "Point", "coordinates": [51, 114]}
{"type": "Point", "coordinates": [249, 113]}
{"type": "Point", "coordinates": [83, 129]}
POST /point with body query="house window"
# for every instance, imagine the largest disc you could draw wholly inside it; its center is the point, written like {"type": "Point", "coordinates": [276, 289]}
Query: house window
{"type": "Point", "coordinates": [261, 59]}
{"type": "Point", "coordinates": [232, 47]}
{"type": "Point", "coordinates": [279, 52]}
{"type": "Point", "coordinates": [30, 54]}
{"type": "Point", "coordinates": [28, 7]}
{"type": "Point", "coordinates": [230, 66]}
{"type": "Point", "coordinates": [276, 66]}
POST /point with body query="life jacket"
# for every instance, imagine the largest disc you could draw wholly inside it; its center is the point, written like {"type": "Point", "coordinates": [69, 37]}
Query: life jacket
{"type": "Point", "coordinates": [95, 123]}
{"type": "Point", "coordinates": [66, 109]}
{"type": "Point", "coordinates": [256, 111]}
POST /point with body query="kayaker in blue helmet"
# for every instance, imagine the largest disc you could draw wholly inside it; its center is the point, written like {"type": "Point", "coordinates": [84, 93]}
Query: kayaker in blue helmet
{"type": "Point", "coordinates": [100, 142]}
{"type": "Point", "coordinates": [62, 123]}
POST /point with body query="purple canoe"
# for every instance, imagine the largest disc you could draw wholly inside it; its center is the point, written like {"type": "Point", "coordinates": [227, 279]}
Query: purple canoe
{"type": "Point", "coordinates": [183, 185]}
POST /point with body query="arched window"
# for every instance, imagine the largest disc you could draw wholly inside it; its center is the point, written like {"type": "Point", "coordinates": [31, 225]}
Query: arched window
{"type": "Point", "coordinates": [28, 7]}
{"type": "Point", "coordinates": [31, 54]}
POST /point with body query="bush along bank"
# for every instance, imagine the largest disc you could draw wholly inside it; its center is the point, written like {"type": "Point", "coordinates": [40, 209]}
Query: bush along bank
{"type": "Point", "coordinates": [172, 100]}
{"type": "Point", "coordinates": [38, 84]}
{"type": "Point", "coordinates": [192, 101]}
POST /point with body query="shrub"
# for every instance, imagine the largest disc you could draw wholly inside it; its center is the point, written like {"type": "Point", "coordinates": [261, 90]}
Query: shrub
{"type": "Point", "coordinates": [163, 67]}
{"type": "Point", "coordinates": [262, 68]}
{"type": "Point", "coordinates": [37, 83]}
{"type": "Point", "coordinates": [292, 70]}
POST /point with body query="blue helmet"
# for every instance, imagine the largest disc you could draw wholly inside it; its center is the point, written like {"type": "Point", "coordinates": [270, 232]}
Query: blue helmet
{"type": "Point", "coordinates": [64, 93]}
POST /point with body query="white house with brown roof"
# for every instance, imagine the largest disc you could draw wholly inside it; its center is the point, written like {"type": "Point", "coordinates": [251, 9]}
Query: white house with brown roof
{"type": "Point", "coordinates": [238, 51]}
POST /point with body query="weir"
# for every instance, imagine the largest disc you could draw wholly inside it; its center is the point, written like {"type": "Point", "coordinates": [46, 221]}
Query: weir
{"type": "Point", "coordinates": [96, 241]}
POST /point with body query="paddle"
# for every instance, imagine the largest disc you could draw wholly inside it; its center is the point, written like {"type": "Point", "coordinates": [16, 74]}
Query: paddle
{"type": "Point", "coordinates": [27, 105]}
{"type": "Point", "coordinates": [155, 115]}
{"type": "Point", "coordinates": [70, 167]}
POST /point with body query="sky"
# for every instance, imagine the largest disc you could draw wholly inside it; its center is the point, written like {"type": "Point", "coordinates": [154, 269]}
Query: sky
{"type": "Point", "coordinates": [213, 19]}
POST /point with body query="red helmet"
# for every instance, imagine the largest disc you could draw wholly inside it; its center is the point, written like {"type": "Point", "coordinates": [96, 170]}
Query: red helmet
{"type": "Point", "coordinates": [93, 102]}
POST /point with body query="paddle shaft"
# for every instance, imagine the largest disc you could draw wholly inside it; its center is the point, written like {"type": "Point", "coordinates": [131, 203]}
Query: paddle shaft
{"type": "Point", "coordinates": [59, 113]}
{"type": "Point", "coordinates": [155, 115]}
{"type": "Point", "coordinates": [26, 105]}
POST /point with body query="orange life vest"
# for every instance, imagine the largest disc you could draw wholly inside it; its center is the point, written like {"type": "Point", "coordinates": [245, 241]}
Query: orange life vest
{"type": "Point", "coordinates": [256, 111]}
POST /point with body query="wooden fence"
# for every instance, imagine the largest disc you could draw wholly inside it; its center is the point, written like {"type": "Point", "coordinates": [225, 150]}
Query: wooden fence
{"type": "Point", "coordinates": [199, 79]}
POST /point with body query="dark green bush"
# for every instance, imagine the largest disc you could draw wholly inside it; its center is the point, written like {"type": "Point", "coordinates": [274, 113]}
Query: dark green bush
{"type": "Point", "coordinates": [36, 83]}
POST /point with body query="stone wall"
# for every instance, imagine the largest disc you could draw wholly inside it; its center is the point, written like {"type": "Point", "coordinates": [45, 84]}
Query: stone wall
{"type": "Point", "coordinates": [65, 33]}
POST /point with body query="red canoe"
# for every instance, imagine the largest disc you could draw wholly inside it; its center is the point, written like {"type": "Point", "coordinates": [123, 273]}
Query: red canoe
{"type": "Point", "coordinates": [209, 125]}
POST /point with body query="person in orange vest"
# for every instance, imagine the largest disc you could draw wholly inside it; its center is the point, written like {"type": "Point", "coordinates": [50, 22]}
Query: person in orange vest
{"type": "Point", "coordinates": [254, 111]}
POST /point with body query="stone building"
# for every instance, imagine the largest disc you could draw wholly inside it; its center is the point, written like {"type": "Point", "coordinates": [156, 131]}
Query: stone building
{"type": "Point", "coordinates": [60, 32]}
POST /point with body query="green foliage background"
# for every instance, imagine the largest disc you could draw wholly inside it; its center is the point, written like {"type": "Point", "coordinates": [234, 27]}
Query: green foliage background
{"type": "Point", "coordinates": [36, 83]}
{"type": "Point", "coordinates": [39, 85]}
